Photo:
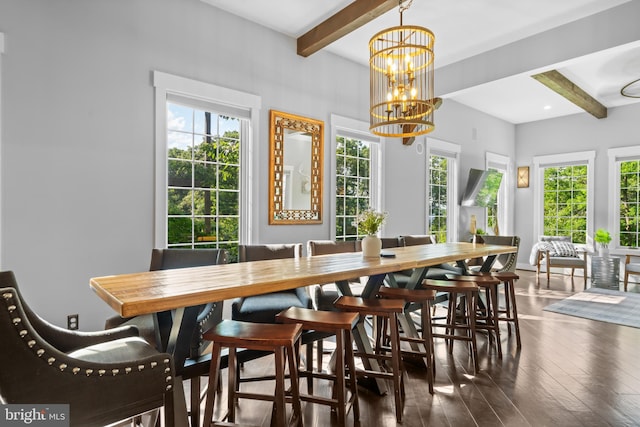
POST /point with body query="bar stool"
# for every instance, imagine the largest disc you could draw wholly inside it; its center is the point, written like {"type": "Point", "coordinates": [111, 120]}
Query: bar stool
{"type": "Point", "coordinates": [278, 338]}
{"type": "Point", "coordinates": [339, 324]}
{"type": "Point", "coordinates": [489, 313]}
{"type": "Point", "coordinates": [381, 308]}
{"type": "Point", "coordinates": [510, 311]}
{"type": "Point", "coordinates": [469, 290]}
{"type": "Point", "coordinates": [424, 298]}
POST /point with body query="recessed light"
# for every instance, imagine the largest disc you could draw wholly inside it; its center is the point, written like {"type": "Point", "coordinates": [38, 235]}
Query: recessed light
{"type": "Point", "coordinates": [547, 107]}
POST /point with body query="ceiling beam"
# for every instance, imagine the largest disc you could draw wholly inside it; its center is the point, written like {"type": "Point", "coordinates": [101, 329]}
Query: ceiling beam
{"type": "Point", "coordinates": [342, 23]}
{"type": "Point", "coordinates": [555, 81]}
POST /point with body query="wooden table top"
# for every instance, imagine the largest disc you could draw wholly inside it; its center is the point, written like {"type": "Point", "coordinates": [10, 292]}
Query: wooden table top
{"type": "Point", "coordinates": [154, 291]}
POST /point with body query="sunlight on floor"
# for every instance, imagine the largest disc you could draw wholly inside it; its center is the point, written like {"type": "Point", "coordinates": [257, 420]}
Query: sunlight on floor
{"type": "Point", "coordinates": [604, 299]}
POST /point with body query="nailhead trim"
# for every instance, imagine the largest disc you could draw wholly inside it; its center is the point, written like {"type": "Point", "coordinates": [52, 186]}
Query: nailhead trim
{"type": "Point", "coordinates": [40, 352]}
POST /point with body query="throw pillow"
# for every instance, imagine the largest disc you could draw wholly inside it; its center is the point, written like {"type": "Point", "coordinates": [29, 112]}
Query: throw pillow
{"type": "Point", "coordinates": [564, 249]}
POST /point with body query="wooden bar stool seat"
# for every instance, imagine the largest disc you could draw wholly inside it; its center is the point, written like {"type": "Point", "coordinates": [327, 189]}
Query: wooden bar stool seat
{"type": "Point", "coordinates": [423, 297]}
{"type": "Point", "coordinates": [381, 308]}
{"type": "Point", "coordinates": [488, 314]}
{"type": "Point", "coordinates": [281, 339]}
{"type": "Point", "coordinates": [454, 288]}
{"type": "Point", "coordinates": [510, 312]}
{"type": "Point", "coordinates": [339, 324]}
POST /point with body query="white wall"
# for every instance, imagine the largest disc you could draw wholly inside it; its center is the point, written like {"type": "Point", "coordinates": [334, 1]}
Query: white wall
{"type": "Point", "coordinates": [579, 132]}
{"type": "Point", "coordinates": [405, 166]}
{"type": "Point", "coordinates": [78, 133]}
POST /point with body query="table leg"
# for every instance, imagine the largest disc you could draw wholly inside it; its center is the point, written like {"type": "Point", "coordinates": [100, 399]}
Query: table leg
{"type": "Point", "coordinates": [181, 418]}
{"type": "Point", "coordinates": [176, 338]}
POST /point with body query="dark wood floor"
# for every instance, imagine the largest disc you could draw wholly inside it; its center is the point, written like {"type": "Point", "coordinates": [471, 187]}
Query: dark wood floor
{"type": "Point", "coordinates": [569, 372]}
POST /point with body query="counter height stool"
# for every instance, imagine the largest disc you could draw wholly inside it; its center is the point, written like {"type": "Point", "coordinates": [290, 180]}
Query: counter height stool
{"type": "Point", "coordinates": [489, 313]}
{"type": "Point", "coordinates": [278, 338]}
{"type": "Point", "coordinates": [455, 288]}
{"type": "Point", "coordinates": [381, 308]}
{"type": "Point", "coordinates": [510, 311]}
{"type": "Point", "coordinates": [339, 324]}
{"type": "Point", "coordinates": [424, 298]}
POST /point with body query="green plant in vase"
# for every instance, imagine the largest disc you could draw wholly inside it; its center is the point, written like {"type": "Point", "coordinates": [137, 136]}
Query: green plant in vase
{"type": "Point", "coordinates": [369, 223]}
{"type": "Point", "coordinates": [602, 237]}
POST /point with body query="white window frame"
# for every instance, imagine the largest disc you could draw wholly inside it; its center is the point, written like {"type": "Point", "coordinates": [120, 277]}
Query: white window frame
{"type": "Point", "coordinates": [168, 84]}
{"type": "Point", "coordinates": [566, 159]}
{"type": "Point", "coordinates": [1, 222]}
{"type": "Point", "coordinates": [452, 152]}
{"type": "Point", "coordinates": [358, 129]}
{"type": "Point", "coordinates": [503, 164]}
{"type": "Point", "coordinates": [617, 155]}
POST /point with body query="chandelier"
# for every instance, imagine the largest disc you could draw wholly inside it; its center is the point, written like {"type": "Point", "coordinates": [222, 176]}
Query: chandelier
{"type": "Point", "coordinates": [401, 70]}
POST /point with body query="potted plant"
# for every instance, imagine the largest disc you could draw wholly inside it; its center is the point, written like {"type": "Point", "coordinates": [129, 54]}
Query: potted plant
{"type": "Point", "coordinates": [369, 223]}
{"type": "Point", "coordinates": [602, 238]}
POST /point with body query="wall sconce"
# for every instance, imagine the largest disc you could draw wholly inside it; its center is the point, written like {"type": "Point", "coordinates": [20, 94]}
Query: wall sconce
{"type": "Point", "coordinates": [523, 177]}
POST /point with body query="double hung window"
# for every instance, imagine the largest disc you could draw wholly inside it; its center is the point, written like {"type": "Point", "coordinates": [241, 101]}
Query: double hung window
{"type": "Point", "coordinates": [357, 171]}
{"type": "Point", "coordinates": [203, 165]}
{"type": "Point", "coordinates": [624, 196]}
{"type": "Point", "coordinates": [564, 195]}
{"type": "Point", "coordinates": [442, 178]}
{"type": "Point", "coordinates": [203, 148]}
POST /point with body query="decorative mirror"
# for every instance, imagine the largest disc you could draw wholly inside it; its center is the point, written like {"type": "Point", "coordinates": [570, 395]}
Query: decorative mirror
{"type": "Point", "coordinates": [295, 169]}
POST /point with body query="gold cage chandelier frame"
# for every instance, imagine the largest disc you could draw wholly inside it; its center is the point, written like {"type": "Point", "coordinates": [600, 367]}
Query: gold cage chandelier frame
{"type": "Point", "coordinates": [401, 67]}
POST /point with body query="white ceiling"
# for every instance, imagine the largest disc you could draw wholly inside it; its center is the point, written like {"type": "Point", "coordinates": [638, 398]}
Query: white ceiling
{"type": "Point", "coordinates": [464, 28]}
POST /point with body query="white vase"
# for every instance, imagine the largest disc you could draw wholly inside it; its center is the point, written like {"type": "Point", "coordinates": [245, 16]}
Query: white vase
{"type": "Point", "coordinates": [603, 252]}
{"type": "Point", "coordinates": [371, 246]}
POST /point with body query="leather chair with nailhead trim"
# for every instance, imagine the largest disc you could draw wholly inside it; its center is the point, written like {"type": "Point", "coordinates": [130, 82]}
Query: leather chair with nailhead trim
{"type": "Point", "coordinates": [104, 376]}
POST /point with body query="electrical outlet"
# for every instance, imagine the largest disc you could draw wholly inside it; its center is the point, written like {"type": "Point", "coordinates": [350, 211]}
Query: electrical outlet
{"type": "Point", "coordinates": [72, 322]}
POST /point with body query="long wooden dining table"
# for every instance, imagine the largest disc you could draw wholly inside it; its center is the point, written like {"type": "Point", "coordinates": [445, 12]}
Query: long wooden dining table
{"type": "Point", "coordinates": [186, 288]}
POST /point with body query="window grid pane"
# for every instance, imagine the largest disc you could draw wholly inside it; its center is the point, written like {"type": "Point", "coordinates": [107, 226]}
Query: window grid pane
{"type": "Point", "coordinates": [629, 206]}
{"type": "Point", "coordinates": [565, 201]}
{"type": "Point", "coordinates": [203, 162]}
{"type": "Point", "coordinates": [438, 196]}
{"type": "Point", "coordinates": [353, 181]}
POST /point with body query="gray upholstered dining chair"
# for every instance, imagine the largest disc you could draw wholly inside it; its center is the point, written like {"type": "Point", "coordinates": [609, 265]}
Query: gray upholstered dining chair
{"type": "Point", "coordinates": [326, 294]}
{"type": "Point", "coordinates": [191, 355]}
{"type": "Point", "coordinates": [503, 262]}
{"type": "Point", "coordinates": [263, 308]}
{"type": "Point", "coordinates": [436, 272]}
{"type": "Point", "coordinates": [104, 377]}
{"type": "Point", "coordinates": [417, 239]}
